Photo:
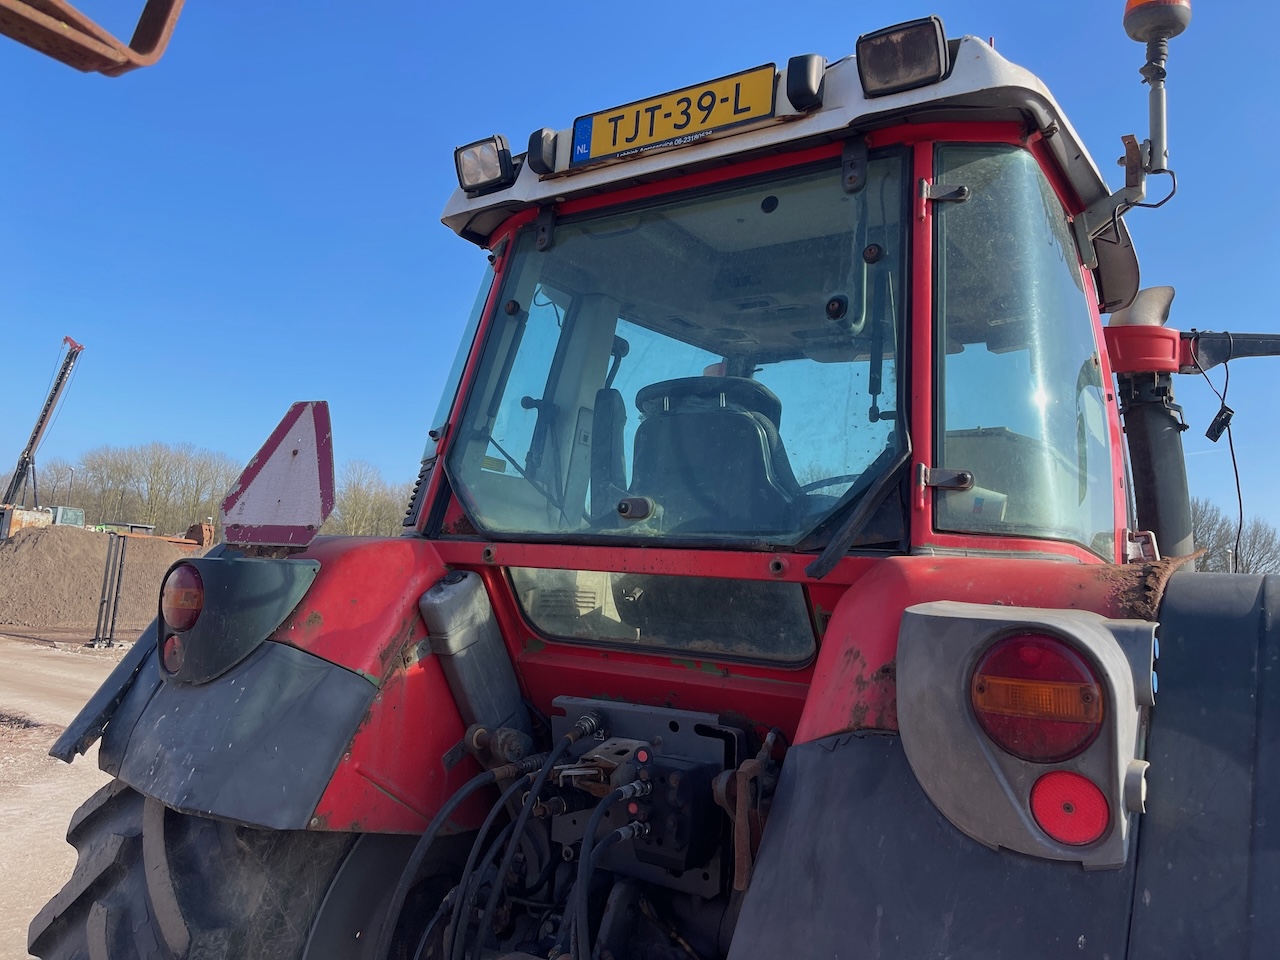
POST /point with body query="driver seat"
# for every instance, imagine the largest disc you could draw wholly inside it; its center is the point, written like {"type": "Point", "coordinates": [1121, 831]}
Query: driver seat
{"type": "Point", "coordinates": [707, 451]}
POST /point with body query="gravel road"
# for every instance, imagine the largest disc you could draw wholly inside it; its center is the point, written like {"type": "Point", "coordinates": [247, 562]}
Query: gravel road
{"type": "Point", "coordinates": [41, 690]}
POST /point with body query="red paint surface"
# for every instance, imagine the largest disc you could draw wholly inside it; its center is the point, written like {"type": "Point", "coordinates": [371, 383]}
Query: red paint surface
{"type": "Point", "coordinates": [363, 608]}
{"type": "Point", "coordinates": [736, 564]}
{"type": "Point", "coordinates": [392, 778]}
{"type": "Point", "coordinates": [1136, 350]}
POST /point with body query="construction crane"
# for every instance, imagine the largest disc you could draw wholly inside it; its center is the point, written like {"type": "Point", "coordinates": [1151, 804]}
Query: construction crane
{"type": "Point", "coordinates": [27, 459]}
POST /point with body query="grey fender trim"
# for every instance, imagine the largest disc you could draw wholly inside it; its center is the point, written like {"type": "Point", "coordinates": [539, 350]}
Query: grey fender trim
{"type": "Point", "coordinates": [258, 745]}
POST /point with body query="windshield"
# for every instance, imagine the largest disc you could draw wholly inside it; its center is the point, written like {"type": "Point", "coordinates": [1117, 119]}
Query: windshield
{"type": "Point", "coordinates": [719, 366]}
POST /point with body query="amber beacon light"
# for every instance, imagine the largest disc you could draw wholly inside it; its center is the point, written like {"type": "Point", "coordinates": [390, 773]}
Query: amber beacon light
{"type": "Point", "coordinates": [1154, 20]}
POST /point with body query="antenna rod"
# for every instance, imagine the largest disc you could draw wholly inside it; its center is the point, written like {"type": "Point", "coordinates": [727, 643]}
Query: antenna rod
{"type": "Point", "coordinates": [1154, 73]}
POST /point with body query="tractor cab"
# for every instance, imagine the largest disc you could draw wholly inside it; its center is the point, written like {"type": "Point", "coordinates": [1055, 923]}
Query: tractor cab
{"type": "Point", "coordinates": [856, 315]}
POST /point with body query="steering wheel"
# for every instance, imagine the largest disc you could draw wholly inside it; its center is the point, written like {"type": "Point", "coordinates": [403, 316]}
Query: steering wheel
{"type": "Point", "coordinates": [830, 482]}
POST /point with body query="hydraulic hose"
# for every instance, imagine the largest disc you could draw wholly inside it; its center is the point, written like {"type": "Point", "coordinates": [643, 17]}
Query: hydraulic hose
{"type": "Point", "coordinates": [446, 905]}
{"type": "Point", "coordinates": [586, 862]}
{"type": "Point", "coordinates": [428, 837]}
{"type": "Point", "coordinates": [587, 724]}
{"type": "Point", "coordinates": [462, 904]}
{"type": "Point", "coordinates": [580, 945]}
{"type": "Point", "coordinates": [548, 871]}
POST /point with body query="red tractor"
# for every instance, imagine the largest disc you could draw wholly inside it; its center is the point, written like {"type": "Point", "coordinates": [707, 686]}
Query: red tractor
{"type": "Point", "coordinates": [773, 584]}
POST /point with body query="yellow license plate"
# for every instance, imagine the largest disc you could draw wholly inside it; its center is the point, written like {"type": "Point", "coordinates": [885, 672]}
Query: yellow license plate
{"type": "Point", "coordinates": [675, 119]}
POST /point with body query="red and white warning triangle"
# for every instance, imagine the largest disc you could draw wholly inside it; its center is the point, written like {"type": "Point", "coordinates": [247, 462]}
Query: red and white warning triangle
{"type": "Point", "coordinates": [285, 492]}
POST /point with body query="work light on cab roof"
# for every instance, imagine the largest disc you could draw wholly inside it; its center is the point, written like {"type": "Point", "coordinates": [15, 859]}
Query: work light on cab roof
{"type": "Point", "coordinates": [485, 165]}
{"type": "Point", "coordinates": [902, 57]}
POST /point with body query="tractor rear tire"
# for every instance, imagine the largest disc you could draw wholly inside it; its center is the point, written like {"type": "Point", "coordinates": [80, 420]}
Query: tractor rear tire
{"type": "Point", "coordinates": [152, 883]}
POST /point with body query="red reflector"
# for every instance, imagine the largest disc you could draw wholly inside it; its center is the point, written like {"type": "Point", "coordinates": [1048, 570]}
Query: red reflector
{"type": "Point", "coordinates": [1037, 698]}
{"type": "Point", "coordinates": [1070, 808]}
{"type": "Point", "coordinates": [173, 652]}
{"type": "Point", "coordinates": [182, 597]}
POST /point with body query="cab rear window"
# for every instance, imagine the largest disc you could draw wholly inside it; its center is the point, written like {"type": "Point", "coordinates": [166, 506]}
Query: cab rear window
{"type": "Point", "coordinates": [701, 616]}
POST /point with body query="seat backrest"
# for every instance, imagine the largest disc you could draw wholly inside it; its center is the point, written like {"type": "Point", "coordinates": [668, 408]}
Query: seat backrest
{"type": "Point", "coordinates": [741, 391]}
{"type": "Point", "coordinates": [708, 453]}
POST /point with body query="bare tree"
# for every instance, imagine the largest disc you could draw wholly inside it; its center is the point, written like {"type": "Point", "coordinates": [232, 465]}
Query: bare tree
{"type": "Point", "coordinates": [108, 493]}
{"type": "Point", "coordinates": [168, 485]}
{"type": "Point", "coordinates": [365, 504]}
{"type": "Point", "coordinates": [1214, 534]}
{"type": "Point", "coordinates": [1259, 548]}
{"type": "Point", "coordinates": [154, 479]}
{"type": "Point", "coordinates": [56, 477]}
{"type": "Point", "coordinates": [172, 486]}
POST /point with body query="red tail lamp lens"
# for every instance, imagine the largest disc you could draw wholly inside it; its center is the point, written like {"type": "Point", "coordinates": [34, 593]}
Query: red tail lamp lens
{"type": "Point", "coordinates": [1037, 698]}
{"type": "Point", "coordinates": [182, 597]}
{"type": "Point", "coordinates": [173, 652]}
{"type": "Point", "coordinates": [1070, 808]}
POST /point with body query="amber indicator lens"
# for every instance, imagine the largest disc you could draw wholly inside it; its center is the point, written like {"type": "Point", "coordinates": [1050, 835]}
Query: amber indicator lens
{"type": "Point", "coordinates": [1037, 698]}
{"type": "Point", "coordinates": [1070, 808]}
{"type": "Point", "coordinates": [182, 597]}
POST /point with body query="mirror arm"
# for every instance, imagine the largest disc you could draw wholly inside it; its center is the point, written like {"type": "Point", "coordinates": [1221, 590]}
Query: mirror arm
{"type": "Point", "coordinates": [1104, 213]}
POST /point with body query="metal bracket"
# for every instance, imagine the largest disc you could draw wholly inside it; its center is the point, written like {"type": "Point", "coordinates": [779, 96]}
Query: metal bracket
{"type": "Point", "coordinates": [942, 193]}
{"type": "Point", "coordinates": [1140, 547]}
{"type": "Point", "coordinates": [943, 478]}
{"type": "Point", "coordinates": [853, 162]}
{"type": "Point", "coordinates": [1096, 220]}
{"type": "Point", "coordinates": [545, 229]}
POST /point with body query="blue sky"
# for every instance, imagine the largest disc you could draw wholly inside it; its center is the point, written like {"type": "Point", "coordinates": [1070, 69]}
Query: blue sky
{"type": "Point", "coordinates": [256, 219]}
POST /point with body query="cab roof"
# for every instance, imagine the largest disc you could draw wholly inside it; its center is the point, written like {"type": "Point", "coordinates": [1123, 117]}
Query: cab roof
{"type": "Point", "coordinates": [982, 86]}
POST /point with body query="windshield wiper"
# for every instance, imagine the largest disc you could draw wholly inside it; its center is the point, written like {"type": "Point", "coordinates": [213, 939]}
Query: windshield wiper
{"type": "Point", "coordinates": [848, 531]}
{"type": "Point", "coordinates": [545, 492]}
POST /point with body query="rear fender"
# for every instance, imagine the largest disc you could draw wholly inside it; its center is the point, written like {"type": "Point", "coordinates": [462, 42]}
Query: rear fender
{"type": "Point", "coordinates": [341, 720]}
{"type": "Point", "coordinates": [405, 758]}
{"type": "Point", "coordinates": [857, 862]}
{"type": "Point", "coordinates": [854, 680]}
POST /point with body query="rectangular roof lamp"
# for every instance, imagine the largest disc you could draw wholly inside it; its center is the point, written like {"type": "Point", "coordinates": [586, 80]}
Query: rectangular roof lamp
{"type": "Point", "coordinates": [903, 57]}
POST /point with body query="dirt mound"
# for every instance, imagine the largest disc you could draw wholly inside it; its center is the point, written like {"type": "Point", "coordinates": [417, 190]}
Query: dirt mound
{"type": "Point", "coordinates": [52, 577]}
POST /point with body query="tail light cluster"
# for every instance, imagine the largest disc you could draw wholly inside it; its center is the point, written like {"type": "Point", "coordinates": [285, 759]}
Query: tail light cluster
{"type": "Point", "coordinates": [1025, 727]}
{"type": "Point", "coordinates": [216, 610]}
{"type": "Point", "coordinates": [1038, 699]}
{"type": "Point", "coordinates": [181, 602]}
